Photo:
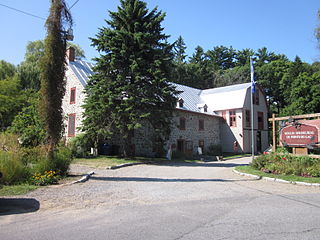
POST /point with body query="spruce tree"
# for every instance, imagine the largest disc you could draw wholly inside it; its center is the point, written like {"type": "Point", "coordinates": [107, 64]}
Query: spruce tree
{"type": "Point", "coordinates": [131, 85]}
{"type": "Point", "coordinates": [52, 66]}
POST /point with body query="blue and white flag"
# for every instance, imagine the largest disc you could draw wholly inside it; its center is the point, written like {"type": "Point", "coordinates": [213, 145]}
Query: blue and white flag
{"type": "Point", "coordinates": [253, 83]}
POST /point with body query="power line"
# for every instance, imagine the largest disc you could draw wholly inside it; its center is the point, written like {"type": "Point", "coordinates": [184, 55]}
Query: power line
{"type": "Point", "coordinates": [17, 10]}
{"type": "Point", "coordinates": [73, 4]}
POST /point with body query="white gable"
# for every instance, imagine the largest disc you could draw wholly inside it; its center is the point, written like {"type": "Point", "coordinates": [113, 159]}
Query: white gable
{"type": "Point", "coordinates": [229, 97]}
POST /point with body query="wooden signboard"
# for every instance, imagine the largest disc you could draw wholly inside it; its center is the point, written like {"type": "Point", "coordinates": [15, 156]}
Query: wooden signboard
{"type": "Point", "coordinates": [299, 135]}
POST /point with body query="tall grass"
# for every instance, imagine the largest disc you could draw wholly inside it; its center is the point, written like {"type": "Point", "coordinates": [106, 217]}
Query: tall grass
{"type": "Point", "coordinates": [18, 164]}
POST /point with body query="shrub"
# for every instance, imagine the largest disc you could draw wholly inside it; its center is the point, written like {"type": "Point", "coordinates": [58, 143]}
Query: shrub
{"type": "Point", "coordinates": [80, 145]}
{"type": "Point", "coordinates": [62, 160]}
{"type": "Point", "coordinates": [288, 165]}
{"type": "Point", "coordinates": [29, 125]}
{"type": "Point", "coordinates": [214, 150]}
{"type": "Point", "coordinates": [60, 163]}
{"type": "Point", "coordinates": [12, 168]}
{"type": "Point", "coordinates": [9, 142]}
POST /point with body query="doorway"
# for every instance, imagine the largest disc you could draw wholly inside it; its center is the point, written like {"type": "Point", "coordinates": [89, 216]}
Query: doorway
{"type": "Point", "coordinates": [259, 141]}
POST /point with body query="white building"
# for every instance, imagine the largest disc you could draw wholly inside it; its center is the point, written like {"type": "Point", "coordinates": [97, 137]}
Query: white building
{"type": "Point", "coordinates": [202, 117]}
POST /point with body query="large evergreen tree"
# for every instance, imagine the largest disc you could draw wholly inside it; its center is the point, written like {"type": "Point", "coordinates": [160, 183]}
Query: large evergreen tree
{"type": "Point", "coordinates": [131, 85]}
{"type": "Point", "coordinates": [53, 71]}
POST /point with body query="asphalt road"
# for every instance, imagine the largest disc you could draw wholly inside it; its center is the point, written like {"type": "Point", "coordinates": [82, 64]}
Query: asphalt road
{"type": "Point", "coordinates": [173, 201]}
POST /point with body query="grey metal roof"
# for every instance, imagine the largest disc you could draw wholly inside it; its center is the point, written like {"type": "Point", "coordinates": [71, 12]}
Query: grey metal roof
{"type": "Point", "coordinates": [82, 69]}
{"type": "Point", "coordinates": [190, 96]}
{"type": "Point", "coordinates": [229, 97]}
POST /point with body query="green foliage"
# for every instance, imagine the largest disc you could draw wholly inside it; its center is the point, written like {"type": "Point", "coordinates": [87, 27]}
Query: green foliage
{"type": "Point", "coordinates": [288, 165]}
{"type": "Point", "coordinates": [7, 70]}
{"type": "Point", "coordinates": [80, 145]}
{"type": "Point", "coordinates": [28, 125]}
{"type": "Point", "coordinates": [11, 101]}
{"type": "Point", "coordinates": [62, 160]}
{"type": "Point", "coordinates": [18, 164]}
{"type": "Point", "coordinates": [12, 168]}
{"type": "Point", "coordinates": [214, 150]}
{"type": "Point", "coordinates": [9, 142]}
{"type": "Point", "coordinates": [131, 84]}
{"type": "Point", "coordinates": [52, 74]}
{"type": "Point", "coordinates": [179, 50]}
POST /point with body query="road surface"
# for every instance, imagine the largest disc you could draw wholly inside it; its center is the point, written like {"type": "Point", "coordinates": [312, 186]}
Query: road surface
{"type": "Point", "coordinates": [172, 201]}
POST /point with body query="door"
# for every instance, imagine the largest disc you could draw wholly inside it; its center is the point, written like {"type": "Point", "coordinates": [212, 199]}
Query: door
{"type": "Point", "coordinates": [259, 141]}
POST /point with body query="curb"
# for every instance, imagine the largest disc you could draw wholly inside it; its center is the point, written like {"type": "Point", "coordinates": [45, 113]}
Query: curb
{"type": "Point", "coordinates": [84, 178]}
{"type": "Point", "coordinates": [270, 179]}
{"type": "Point", "coordinates": [126, 165]}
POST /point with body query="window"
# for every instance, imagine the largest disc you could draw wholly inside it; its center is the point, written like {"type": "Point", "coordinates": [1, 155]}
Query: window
{"type": "Point", "coordinates": [201, 124]}
{"type": "Point", "coordinates": [72, 125]}
{"type": "Point", "coordinates": [73, 95]}
{"type": "Point", "coordinates": [182, 124]}
{"type": "Point", "coordinates": [255, 97]}
{"type": "Point", "coordinates": [181, 103]}
{"type": "Point", "coordinates": [232, 118]}
{"type": "Point", "coordinates": [260, 120]}
{"type": "Point", "coordinates": [248, 118]}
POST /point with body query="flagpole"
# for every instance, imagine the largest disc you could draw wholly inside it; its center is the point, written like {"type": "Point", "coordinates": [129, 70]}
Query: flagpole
{"type": "Point", "coordinates": [252, 115]}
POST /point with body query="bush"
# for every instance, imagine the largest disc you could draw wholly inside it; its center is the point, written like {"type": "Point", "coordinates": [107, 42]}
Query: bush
{"type": "Point", "coordinates": [19, 164]}
{"type": "Point", "coordinates": [80, 146]}
{"type": "Point", "coordinates": [29, 126]}
{"type": "Point", "coordinates": [12, 168]}
{"type": "Point", "coordinates": [288, 165]}
{"type": "Point", "coordinates": [214, 150]}
{"type": "Point", "coordinates": [9, 142]}
{"type": "Point", "coordinates": [62, 160]}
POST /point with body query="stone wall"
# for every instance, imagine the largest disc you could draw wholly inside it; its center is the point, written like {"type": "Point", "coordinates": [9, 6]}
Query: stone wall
{"type": "Point", "coordinates": [74, 108]}
{"type": "Point", "coordinates": [210, 135]}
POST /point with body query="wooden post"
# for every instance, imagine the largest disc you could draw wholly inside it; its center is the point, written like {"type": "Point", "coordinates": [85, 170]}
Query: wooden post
{"type": "Point", "coordinates": [274, 134]}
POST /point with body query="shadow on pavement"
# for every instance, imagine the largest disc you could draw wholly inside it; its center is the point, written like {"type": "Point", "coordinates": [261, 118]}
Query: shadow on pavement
{"type": "Point", "coordinates": [143, 179]}
{"type": "Point", "coordinates": [10, 206]}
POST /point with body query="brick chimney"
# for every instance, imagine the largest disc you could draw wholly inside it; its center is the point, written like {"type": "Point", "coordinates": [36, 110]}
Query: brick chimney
{"type": "Point", "coordinates": [70, 55]}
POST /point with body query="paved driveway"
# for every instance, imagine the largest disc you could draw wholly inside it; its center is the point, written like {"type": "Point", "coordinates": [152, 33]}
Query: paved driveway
{"type": "Point", "coordinates": [174, 201]}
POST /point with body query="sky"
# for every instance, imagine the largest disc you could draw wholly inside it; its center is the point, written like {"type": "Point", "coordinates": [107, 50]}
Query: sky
{"type": "Point", "coordinates": [283, 26]}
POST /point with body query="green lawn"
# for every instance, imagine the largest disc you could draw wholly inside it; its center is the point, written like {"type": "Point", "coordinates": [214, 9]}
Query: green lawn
{"type": "Point", "coordinates": [16, 189]}
{"type": "Point", "coordinates": [250, 170]}
{"type": "Point", "coordinates": [107, 161]}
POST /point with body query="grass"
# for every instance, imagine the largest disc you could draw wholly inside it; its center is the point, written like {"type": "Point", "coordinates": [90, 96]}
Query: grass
{"type": "Point", "coordinates": [107, 161]}
{"type": "Point", "coordinates": [232, 155]}
{"type": "Point", "coordinates": [250, 170]}
{"type": "Point", "coordinates": [16, 189]}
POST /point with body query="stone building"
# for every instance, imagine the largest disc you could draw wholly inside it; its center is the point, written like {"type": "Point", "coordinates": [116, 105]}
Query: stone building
{"type": "Point", "coordinates": [202, 118]}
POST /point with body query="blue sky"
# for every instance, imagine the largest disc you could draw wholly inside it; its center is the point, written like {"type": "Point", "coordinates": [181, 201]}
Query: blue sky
{"type": "Point", "coordinates": [283, 26]}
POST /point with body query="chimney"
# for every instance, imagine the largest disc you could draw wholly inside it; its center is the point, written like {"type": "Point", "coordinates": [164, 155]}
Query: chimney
{"type": "Point", "coordinates": [70, 55]}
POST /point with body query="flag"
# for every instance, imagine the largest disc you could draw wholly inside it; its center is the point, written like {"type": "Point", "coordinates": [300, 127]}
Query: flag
{"type": "Point", "coordinates": [253, 83]}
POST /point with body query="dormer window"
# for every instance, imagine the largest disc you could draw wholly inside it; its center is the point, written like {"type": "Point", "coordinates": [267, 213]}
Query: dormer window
{"type": "Point", "coordinates": [202, 107]}
{"type": "Point", "coordinates": [180, 103]}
